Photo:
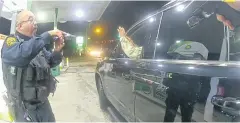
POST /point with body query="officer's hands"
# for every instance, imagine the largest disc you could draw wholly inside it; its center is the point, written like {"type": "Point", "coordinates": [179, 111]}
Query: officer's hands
{"type": "Point", "coordinates": [121, 31]}
{"type": "Point", "coordinates": [60, 43]}
{"type": "Point", "coordinates": [57, 33]}
{"type": "Point", "coordinates": [59, 46]}
{"type": "Point", "coordinates": [225, 21]}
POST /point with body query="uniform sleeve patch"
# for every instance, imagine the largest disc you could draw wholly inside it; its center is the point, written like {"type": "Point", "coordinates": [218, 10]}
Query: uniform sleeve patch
{"type": "Point", "coordinates": [10, 41]}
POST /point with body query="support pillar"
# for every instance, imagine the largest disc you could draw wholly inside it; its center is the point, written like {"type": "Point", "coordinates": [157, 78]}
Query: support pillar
{"type": "Point", "coordinates": [13, 23]}
{"type": "Point", "coordinates": [65, 60]}
{"type": "Point", "coordinates": [55, 18]}
{"type": "Point", "coordinates": [29, 5]}
{"type": "Point", "coordinates": [1, 6]}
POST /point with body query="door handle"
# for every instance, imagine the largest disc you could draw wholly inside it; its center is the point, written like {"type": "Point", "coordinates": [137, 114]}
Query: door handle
{"type": "Point", "coordinates": [229, 105]}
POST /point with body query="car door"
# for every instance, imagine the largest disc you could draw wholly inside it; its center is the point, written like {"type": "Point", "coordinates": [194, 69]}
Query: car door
{"type": "Point", "coordinates": [124, 88]}
{"type": "Point", "coordinates": [118, 83]}
{"type": "Point", "coordinates": [185, 55]}
{"type": "Point", "coordinates": [146, 80]}
{"type": "Point", "coordinates": [110, 77]}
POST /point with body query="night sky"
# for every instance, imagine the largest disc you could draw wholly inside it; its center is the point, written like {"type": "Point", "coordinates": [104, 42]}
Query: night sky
{"type": "Point", "coordinates": [124, 13]}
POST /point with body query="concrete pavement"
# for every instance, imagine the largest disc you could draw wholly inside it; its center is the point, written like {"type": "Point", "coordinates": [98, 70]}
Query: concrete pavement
{"type": "Point", "coordinates": [76, 98]}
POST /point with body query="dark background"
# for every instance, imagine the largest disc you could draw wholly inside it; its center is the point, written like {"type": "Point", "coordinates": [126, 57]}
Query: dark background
{"type": "Point", "coordinates": [124, 13]}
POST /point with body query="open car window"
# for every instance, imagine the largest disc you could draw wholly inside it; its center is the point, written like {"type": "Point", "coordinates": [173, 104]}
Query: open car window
{"type": "Point", "coordinates": [180, 40]}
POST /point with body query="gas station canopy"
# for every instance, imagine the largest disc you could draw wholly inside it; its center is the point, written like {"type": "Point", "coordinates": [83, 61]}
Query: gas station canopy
{"type": "Point", "coordinates": [75, 10]}
{"type": "Point", "coordinates": [11, 6]}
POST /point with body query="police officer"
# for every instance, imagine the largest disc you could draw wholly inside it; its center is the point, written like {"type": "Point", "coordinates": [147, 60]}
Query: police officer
{"type": "Point", "coordinates": [183, 91]}
{"type": "Point", "coordinates": [26, 70]}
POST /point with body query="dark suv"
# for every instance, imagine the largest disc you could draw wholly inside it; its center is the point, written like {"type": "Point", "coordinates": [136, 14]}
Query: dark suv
{"type": "Point", "coordinates": [188, 53]}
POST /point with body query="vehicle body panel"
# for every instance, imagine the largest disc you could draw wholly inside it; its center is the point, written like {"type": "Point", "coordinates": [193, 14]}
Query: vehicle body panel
{"type": "Point", "coordinates": [137, 87]}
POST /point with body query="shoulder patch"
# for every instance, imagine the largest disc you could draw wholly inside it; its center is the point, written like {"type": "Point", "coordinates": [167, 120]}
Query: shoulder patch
{"type": "Point", "coordinates": [10, 41]}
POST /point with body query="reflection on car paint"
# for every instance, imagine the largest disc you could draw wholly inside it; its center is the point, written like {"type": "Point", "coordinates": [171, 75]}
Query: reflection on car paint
{"type": "Point", "coordinates": [151, 85]}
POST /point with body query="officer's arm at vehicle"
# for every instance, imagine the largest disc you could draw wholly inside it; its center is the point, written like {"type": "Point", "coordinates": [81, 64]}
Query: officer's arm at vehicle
{"type": "Point", "coordinates": [21, 53]}
{"type": "Point", "coordinates": [128, 46]}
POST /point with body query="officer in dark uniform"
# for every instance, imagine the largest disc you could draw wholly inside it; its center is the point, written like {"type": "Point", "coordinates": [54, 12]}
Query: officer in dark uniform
{"type": "Point", "coordinates": [26, 70]}
{"type": "Point", "coordinates": [183, 91]}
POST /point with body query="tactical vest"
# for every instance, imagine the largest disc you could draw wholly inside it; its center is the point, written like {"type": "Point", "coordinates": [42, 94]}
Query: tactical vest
{"type": "Point", "coordinates": [31, 84]}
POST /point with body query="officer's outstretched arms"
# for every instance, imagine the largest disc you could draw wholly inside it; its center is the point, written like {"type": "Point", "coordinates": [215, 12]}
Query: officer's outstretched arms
{"type": "Point", "coordinates": [20, 53]}
{"type": "Point", "coordinates": [128, 46]}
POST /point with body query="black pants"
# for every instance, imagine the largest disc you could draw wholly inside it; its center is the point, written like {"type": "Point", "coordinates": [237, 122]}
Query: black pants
{"type": "Point", "coordinates": [176, 99]}
{"type": "Point", "coordinates": [34, 112]}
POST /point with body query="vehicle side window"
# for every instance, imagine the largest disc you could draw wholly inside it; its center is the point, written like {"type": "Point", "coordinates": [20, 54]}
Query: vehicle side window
{"type": "Point", "coordinates": [117, 52]}
{"type": "Point", "coordinates": [178, 41]}
{"type": "Point", "coordinates": [145, 33]}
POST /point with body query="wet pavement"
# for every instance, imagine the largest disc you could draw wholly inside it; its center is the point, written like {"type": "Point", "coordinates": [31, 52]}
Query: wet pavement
{"type": "Point", "coordinates": [76, 98]}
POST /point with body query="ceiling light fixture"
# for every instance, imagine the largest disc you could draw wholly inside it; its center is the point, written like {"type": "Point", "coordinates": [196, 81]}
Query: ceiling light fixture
{"type": "Point", "coordinates": [180, 8]}
{"type": "Point", "coordinates": [41, 16]}
{"type": "Point", "coordinates": [79, 13]}
{"type": "Point", "coordinates": [151, 20]}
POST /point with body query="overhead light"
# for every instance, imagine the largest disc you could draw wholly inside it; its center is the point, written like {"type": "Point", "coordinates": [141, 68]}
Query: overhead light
{"type": "Point", "coordinates": [180, 8]}
{"type": "Point", "coordinates": [158, 44]}
{"type": "Point", "coordinates": [191, 68]}
{"type": "Point", "coordinates": [79, 13]}
{"type": "Point", "coordinates": [41, 16]}
{"type": "Point", "coordinates": [160, 65]}
{"type": "Point", "coordinates": [151, 20]}
{"type": "Point", "coordinates": [98, 30]}
{"type": "Point", "coordinates": [178, 41]}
